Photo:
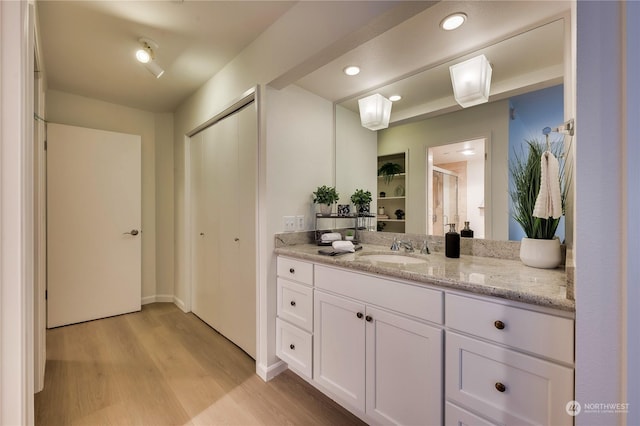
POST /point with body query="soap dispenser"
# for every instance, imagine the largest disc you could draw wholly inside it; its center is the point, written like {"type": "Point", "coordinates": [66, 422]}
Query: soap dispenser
{"type": "Point", "coordinates": [452, 242]}
{"type": "Point", "coordinates": [466, 231]}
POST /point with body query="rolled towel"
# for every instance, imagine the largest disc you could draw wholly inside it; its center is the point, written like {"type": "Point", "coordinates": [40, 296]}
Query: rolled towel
{"type": "Point", "coordinates": [330, 236]}
{"type": "Point", "coordinates": [549, 202]}
{"type": "Point", "coordinates": [343, 246]}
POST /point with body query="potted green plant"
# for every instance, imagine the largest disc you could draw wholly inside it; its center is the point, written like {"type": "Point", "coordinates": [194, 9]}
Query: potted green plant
{"type": "Point", "coordinates": [526, 174]}
{"type": "Point", "coordinates": [349, 235]}
{"type": "Point", "coordinates": [361, 199]}
{"type": "Point", "coordinates": [326, 197]}
{"type": "Point", "coordinates": [389, 170]}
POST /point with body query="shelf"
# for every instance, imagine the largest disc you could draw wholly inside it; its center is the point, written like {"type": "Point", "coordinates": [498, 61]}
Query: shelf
{"type": "Point", "coordinates": [391, 220]}
{"type": "Point", "coordinates": [391, 198]}
{"type": "Point", "coordinates": [394, 176]}
{"type": "Point", "coordinates": [337, 216]}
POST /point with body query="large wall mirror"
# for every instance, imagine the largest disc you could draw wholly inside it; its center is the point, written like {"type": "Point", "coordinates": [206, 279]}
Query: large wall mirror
{"type": "Point", "coordinates": [456, 160]}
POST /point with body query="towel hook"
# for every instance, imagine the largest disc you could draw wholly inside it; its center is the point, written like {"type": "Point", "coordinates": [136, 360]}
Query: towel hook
{"type": "Point", "coordinates": [546, 132]}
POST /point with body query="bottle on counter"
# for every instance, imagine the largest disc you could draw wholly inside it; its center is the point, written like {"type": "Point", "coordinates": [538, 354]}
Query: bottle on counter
{"type": "Point", "coordinates": [452, 242]}
{"type": "Point", "coordinates": [466, 231]}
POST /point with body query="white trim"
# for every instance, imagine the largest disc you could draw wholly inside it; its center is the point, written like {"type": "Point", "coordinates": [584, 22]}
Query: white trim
{"type": "Point", "coordinates": [180, 304]}
{"type": "Point", "coordinates": [16, 213]}
{"type": "Point", "coordinates": [157, 298]}
{"type": "Point", "coordinates": [267, 373]}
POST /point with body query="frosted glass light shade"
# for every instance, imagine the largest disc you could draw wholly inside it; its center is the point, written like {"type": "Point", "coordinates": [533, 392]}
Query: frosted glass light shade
{"type": "Point", "coordinates": [471, 81]}
{"type": "Point", "coordinates": [375, 111]}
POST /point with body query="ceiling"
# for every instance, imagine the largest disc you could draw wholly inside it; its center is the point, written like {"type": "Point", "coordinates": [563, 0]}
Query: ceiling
{"type": "Point", "coordinates": [88, 46]}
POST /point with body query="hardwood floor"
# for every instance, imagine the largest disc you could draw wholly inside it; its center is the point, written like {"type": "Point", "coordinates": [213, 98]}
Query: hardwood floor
{"type": "Point", "coordinates": [161, 366]}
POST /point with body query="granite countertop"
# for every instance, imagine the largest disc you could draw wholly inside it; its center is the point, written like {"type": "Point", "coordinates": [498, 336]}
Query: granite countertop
{"type": "Point", "coordinates": [507, 279]}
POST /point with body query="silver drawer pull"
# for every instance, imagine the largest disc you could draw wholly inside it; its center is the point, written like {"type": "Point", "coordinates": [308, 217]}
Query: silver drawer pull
{"type": "Point", "coordinates": [292, 271]}
{"type": "Point", "coordinates": [499, 325]}
{"type": "Point", "coordinates": [500, 387]}
{"type": "Point", "coordinates": [292, 346]}
{"type": "Point", "coordinates": [293, 303]}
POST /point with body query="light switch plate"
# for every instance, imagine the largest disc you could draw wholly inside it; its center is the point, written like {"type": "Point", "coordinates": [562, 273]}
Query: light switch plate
{"type": "Point", "coordinates": [300, 223]}
{"type": "Point", "coordinates": [289, 223]}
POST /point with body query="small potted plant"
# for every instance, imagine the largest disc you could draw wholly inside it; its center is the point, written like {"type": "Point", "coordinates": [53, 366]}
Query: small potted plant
{"type": "Point", "coordinates": [361, 199]}
{"type": "Point", "coordinates": [326, 197]}
{"type": "Point", "coordinates": [349, 234]}
{"type": "Point", "coordinates": [540, 248]}
{"type": "Point", "coordinates": [389, 170]}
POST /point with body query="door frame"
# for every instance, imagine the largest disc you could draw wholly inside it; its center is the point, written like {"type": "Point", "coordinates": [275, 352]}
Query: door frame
{"type": "Point", "coordinates": [251, 95]}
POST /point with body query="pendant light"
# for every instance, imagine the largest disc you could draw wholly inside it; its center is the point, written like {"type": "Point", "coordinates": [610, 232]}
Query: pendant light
{"type": "Point", "coordinates": [471, 81]}
{"type": "Point", "coordinates": [375, 111]}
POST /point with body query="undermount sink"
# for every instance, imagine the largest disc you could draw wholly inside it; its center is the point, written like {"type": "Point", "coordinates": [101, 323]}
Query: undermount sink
{"type": "Point", "coordinates": [391, 258]}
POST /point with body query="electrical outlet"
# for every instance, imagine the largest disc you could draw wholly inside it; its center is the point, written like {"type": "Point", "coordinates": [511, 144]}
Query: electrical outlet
{"type": "Point", "coordinates": [300, 223]}
{"type": "Point", "coordinates": [289, 223]}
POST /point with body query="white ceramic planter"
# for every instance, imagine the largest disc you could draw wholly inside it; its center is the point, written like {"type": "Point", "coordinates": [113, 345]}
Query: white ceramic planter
{"type": "Point", "coordinates": [543, 254]}
{"type": "Point", "coordinates": [326, 208]}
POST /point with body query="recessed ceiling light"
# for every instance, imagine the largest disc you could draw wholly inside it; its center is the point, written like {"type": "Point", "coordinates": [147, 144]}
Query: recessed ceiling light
{"type": "Point", "coordinates": [453, 21]}
{"type": "Point", "coordinates": [395, 98]}
{"type": "Point", "coordinates": [352, 70]}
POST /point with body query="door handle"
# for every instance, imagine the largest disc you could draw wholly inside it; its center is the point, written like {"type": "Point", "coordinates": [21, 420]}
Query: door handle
{"type": "Point", "coordinates": [132, 232]}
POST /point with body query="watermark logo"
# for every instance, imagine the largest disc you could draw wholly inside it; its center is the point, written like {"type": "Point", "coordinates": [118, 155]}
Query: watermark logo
{"type": "Point", "coordinates": [574, 408]}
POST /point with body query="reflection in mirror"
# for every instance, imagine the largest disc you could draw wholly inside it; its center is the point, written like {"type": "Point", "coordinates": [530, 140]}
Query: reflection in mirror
{"type": "Point", "coordinates": [428, 117]}
{"type": "Point", "coordinates": [456, 192]}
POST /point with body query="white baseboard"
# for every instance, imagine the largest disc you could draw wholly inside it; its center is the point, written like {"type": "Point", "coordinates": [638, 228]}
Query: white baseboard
{"type": "Point", "coordinates": [179, 303]}
{"type": "Point", "coordinates": [161, 298]}
{"type": "Point", "coordinates": [267, 373]}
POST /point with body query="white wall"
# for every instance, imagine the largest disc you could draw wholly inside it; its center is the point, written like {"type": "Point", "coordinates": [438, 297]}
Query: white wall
{"type": "Point", "coordinates": [156, 131]}
{"type": "Point", "coordinates": [299, 159]}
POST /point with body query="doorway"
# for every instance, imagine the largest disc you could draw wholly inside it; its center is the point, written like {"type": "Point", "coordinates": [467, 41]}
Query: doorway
{"type": "Point", "coordinates": [456, 175]}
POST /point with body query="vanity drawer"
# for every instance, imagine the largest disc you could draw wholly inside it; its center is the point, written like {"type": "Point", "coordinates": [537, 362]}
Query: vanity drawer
{"type": "Point", "coordinates": [456, 416]}
{"type": "Point", "coordinates": [295, 270]}
{"type": "Point", "coordinates": [534, 332]}
{"type": "Point", "coordinates": [414, 300]}
{"type": "Point", "coordinates": [505, 385]}
{"type": "Point", "coordinates": [295, 303]}
{"type": "Point", "coordinates": [293, 346]}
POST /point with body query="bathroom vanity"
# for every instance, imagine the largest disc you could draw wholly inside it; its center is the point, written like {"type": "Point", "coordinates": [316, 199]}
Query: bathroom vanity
{"type": "Point", "coordinates": [420, 339]}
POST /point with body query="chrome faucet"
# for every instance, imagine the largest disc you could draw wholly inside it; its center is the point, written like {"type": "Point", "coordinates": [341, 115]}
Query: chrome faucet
{"type": "Point", "coordinates": [408, 246]}
{"type": "Point", "coordinates": [425, 248]}
{"type": "Point", "coordinates": [395, 246]}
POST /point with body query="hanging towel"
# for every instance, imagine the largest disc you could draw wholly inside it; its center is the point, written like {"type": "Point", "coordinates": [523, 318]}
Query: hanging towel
{"type": "Point", "coordinates": [549, 203]}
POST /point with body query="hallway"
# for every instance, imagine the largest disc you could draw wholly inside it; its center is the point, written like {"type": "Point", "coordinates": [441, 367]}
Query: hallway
{"type": "Point", "coordinates": [161, 366]}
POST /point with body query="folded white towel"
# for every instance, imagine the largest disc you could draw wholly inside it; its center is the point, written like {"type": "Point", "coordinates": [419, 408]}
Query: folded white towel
{"type": "Point", "coordinates": [331, 236]}
{"type": "Point", "coordinates": [549, 202]}
{"type": "Point", "coordinates": [346, 246]}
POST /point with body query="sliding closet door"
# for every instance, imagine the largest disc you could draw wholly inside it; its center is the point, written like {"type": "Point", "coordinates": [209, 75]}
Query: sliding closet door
{"type": "Point", "coordinates": [223, 176]}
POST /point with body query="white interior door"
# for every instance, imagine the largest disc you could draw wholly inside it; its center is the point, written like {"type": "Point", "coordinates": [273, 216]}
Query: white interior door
{"type": "Point", "coordinates": [93, 224]}
{"type": "Point", "coordinates": [223, 193]}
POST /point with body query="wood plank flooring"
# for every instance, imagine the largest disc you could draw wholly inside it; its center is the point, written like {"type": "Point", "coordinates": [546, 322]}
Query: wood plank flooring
{"type": "Point", "coordinates": [161, 366]}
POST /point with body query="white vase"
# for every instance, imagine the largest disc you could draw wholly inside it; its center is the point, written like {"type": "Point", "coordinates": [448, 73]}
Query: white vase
{"type": "Point", "coordinates": [543, 254]}
{"type": "Point", "coordinates": [326, 209]}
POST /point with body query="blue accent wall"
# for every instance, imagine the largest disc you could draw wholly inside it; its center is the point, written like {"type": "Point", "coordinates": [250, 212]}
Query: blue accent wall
{"type": "Point", "coordinates": [530, 113]}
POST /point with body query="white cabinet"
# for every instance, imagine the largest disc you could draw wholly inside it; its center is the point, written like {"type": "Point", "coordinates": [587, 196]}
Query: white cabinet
{"type": "Point", "coordinates": [511, 365]}
{"type": "Point", "coordinates": [294, 324]}
{"type": "Point", "coordinates": [386, 365]}
{"type": "Point", "coordinates": [339, 345]}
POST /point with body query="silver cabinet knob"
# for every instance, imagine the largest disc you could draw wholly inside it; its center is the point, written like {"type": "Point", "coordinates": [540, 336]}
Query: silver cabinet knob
{"type": "Point", "coordinates": [132, 232]}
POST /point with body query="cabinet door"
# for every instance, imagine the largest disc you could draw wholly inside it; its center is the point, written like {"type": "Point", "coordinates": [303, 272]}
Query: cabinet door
{"type": "Point", "coordinates": [338, 349]}
{"type": "Point", "coordinates": [404, 370]}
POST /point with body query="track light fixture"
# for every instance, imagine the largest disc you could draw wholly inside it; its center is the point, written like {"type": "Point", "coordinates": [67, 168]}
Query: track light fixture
{"type": "Point", "coordinates": [146, 56]}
